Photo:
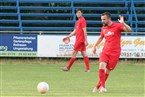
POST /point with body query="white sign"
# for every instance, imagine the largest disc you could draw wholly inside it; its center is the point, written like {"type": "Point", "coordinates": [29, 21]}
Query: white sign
{"type": "Point", "coordinates": [52, 46]}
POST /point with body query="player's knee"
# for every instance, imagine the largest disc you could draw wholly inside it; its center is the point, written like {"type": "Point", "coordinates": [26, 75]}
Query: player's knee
{"type": "Point", "coordinates": [74, 54]}
{"type": "Point", "coordinates": [83, 53]}
{"type": "Point", "coordinates": [102, 65]}
{"type": "Point", "coordinates": [107, 71]}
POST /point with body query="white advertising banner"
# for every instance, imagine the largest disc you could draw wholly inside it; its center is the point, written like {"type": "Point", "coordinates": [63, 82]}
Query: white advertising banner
{"type": "Point", "coordinates": [52, 46]}
{"type": "Point", "coordinates": [133, 47]}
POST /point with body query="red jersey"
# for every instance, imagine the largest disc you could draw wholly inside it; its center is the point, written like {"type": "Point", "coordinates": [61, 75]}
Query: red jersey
{"type": "Point", "coordinates": [80, 24]}
{"type": "Point", "coordinates": [112, 35]}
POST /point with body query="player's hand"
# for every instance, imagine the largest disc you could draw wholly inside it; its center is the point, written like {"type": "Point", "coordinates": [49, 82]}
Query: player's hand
{"type": "Point", "coordinates": [121, 20]}
{"type": "Point", "coordinates": [94, 50]}
{"type": "Point", "coordinates": [65, 38]}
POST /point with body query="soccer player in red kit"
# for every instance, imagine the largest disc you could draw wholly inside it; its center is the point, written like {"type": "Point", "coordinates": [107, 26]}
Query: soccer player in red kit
{"type": "Point", "coordinates": [81, 41]}
{"type": "Point", "coordinates": [110, 54]}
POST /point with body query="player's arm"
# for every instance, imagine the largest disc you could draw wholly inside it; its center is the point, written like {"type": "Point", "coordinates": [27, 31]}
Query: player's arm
{"type": "Point", "coordinates": [72, 33]}
{"type": "Point", "coordinates": [85, 33]}
{"type": "Point", "coordinates": [126, 28]}
{"type": "Point", "coordinates": [99, 40]}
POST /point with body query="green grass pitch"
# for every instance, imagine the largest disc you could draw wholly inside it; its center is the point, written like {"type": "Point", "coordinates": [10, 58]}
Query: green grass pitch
{"type": "Point", "coordinates": [19, 78]}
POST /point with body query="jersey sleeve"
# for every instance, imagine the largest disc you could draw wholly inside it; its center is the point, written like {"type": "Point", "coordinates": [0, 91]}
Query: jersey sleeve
{"type": "Point", "coordinates": [83, 23]}
{"type": "Point", "coordinates": [121, 27]}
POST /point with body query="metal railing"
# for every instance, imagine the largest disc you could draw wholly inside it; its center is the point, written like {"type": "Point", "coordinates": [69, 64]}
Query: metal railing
{"type": "Point", "coordinates": [133, 12]}
{"type": "Point", "coordinates": [128, 7]}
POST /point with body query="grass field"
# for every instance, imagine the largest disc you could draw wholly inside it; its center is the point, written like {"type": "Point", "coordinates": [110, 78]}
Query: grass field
{"type": "Point", "coordinates": [19, 78]}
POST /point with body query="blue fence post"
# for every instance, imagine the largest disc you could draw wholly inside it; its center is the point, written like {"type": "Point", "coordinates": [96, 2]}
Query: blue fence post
{"type": "Point", "coordinates": [131, 15]}
{"type": "Point", "coordinates": [127, 5]}
{"type": "Point", "coordinates": [19, 17]}
{"type": "Point", "coordinates": [135, 15]}
{"type": "Point", "coordinates": [73, 11]}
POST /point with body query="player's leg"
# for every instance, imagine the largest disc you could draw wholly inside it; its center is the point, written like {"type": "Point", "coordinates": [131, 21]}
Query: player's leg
{"type": "Point", "coordinates": [71, 61]}
{"type": "Point", "coordinates": [73, 58]}
{"type": "Point", "coordinates": [86, 60]}
{"type": "Point", "coordinates": [112, 62]}
{"type": "Point", "coordinates": [103, 89]}
{"type": "Point", "coordinates": [107, 71]}
{"type": "Point", "coordinates": [102, 67]}
{"type": "Point", "coordinates": [102, 77]}
{"type": "Point", "coordinates": [103, 62]}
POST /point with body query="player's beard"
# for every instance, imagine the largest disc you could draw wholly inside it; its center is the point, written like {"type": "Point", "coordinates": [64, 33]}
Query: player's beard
{"type": "Point", "coordinates": [105, 24]}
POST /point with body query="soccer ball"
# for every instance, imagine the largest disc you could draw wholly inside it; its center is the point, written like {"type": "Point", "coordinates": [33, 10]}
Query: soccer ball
{"type": "Point", "coordinates": [66, 40]}
{"type": "Point", "coordinates": [42, 87]}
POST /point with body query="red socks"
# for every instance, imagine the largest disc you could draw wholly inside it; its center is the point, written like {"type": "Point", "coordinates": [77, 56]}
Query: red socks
{"type": "Point", "coordinates": [86, 60]}
{"type": "Point", "coordinates": [71, 61]}
{"type": "Point", "coordinates": [98, 85]}
{"type": "Point", "coordinates": [102, 77]}
{"type": "Point", "coordinates": [106, 77]}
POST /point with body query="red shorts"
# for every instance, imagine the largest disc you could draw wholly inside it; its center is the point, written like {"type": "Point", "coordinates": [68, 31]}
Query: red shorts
{"type": "Point", "coordinates": [111, 60]}
{"type": "Point", "coordinates": [80, 46]}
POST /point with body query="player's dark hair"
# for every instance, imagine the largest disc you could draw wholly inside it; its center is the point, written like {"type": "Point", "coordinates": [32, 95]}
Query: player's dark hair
{"type": "Point", "coordinates": [79, 9]}
{"type": "Point", "coordinates": [107, 14]}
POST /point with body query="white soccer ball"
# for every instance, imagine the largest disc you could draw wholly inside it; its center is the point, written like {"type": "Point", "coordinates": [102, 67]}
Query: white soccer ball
{"type": "Point", "coordinates": [42, 87]}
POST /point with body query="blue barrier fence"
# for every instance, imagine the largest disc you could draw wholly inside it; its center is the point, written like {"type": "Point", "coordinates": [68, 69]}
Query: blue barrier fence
{"type": "Point", "coordinates": [59, 15]}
